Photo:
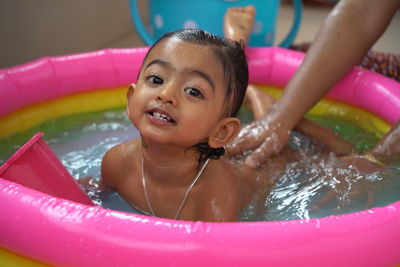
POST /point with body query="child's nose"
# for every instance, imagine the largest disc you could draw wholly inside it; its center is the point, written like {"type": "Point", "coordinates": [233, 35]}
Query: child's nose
{"type": "Point", "coordinates": [168, 94]}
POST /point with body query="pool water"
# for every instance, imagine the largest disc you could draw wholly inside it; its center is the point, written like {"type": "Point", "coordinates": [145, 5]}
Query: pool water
{"type": "Point", "coordinates": [307, 188]}
{"type": "Point", "coordinates": [314, 187]}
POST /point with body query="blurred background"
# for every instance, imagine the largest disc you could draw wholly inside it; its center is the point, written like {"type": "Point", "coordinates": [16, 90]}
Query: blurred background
{"type": "Point", "coordinates": [30, 29]}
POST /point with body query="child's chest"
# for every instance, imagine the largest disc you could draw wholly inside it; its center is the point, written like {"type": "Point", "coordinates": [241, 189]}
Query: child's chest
{"type": "Point", "coordinates": [165, 201]}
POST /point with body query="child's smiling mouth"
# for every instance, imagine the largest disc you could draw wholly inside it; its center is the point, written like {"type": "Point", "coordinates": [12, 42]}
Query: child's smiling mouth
{"type": "Point", "coordinates": [159, 116]}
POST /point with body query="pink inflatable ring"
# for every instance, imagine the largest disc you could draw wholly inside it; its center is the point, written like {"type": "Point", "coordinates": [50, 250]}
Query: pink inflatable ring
{"type": "Point", "coordinates": [65, 233]}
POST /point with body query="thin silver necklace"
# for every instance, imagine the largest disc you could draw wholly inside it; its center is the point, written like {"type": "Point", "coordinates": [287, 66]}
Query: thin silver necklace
{"type": "Point", "coordinates": [178, 212]}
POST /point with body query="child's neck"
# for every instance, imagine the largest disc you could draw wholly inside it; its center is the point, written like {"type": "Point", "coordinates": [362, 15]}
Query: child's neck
{"type": "Point", "coordinates": [169, 165]}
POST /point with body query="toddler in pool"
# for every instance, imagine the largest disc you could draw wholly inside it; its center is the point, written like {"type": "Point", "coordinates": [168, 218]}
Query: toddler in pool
{"type": "Point", "coordinates": [189, 89]}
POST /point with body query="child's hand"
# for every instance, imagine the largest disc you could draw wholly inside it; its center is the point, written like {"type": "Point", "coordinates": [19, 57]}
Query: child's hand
{"type": "Point", "coordinates": [88, 183]}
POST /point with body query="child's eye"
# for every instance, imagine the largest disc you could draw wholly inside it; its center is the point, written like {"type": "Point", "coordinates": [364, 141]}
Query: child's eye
{"type": "Point", "coordinates": [194, 92]}
{"type": "Point", "coordinates": [154, 79]}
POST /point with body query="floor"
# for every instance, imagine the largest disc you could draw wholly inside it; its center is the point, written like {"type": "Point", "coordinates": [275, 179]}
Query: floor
{"type": "Point", "coordinates": [34, 29]}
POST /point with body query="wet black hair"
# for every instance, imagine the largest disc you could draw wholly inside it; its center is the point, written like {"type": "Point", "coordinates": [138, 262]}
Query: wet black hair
{"type": "Point", "coordinates": [234, 64]}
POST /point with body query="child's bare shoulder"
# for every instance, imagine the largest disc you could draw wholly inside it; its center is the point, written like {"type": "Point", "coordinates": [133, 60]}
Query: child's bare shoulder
{"type": "Point", "coordinates": [117, 161]}
{"type": "Point", "coordinates": [221, 199]}
{"type": "Point", "coordinates": [233, 187]}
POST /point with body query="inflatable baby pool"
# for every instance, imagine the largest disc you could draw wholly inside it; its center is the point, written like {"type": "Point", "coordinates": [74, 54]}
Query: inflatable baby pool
{"type": "Point", "coordinates": [35, 226]}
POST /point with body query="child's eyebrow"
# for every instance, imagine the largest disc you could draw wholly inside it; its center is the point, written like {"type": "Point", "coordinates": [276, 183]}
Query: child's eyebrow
{"type": "Point", "coordinates": [205, 76]}
{"type": "Point", "coordinates": [160, 62]}
{"type": "Point", "coordinates": [202, 74]}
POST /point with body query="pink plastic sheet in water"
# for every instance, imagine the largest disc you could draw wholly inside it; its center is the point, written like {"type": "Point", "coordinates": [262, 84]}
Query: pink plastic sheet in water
{"type": "Point", "coordinates": [35, 166]}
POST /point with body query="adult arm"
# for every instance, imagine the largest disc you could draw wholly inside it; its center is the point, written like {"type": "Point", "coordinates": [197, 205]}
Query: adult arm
{"type": "Point", "coordinates": [349, 31]}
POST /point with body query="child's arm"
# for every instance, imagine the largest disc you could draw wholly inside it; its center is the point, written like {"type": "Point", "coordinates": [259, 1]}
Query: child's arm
{"type": "Point", "coordinates": [107, 180]}
{"type": "Point", "coordinates": [225, 211]}
{"type": "Point", "coordinates": [110, 169]}
{"type": "Point", "coordinates": [260, 103]}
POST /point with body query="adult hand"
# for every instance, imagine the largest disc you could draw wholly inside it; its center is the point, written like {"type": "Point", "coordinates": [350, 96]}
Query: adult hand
{"type": "Point", "coordinates": [266, 137]}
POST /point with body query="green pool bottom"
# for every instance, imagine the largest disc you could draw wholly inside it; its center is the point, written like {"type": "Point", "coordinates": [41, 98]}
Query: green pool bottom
{"type": "Point", "coordinates": [53, 129]}
{"type": "Point", "coordinates": [360, 138]}
{"type": "Point", "coordinates": [80, 142]}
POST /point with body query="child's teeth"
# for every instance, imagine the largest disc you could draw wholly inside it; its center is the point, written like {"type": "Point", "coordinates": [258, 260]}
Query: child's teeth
{"type": "Point", "coordinates": [161, 116]}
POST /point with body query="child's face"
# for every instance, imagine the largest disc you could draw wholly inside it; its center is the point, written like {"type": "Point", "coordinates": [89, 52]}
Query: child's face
{"type": "Point", "coordinates": [179, 96]}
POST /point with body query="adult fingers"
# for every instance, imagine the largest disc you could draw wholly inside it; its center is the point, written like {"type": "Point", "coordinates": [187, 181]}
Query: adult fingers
{"type": "Point", "coordinates": [249, 138]}
{"type": "Point", "coordinates": [242, 144]}
{"type": "Point", "coordinates": [270, 147]}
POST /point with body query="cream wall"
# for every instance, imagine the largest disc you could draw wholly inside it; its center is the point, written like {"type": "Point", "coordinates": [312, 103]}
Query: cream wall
{"type": "Point", "coordinates": [30, 29]}
{"type": "Point", "coordinates": [34, 28]}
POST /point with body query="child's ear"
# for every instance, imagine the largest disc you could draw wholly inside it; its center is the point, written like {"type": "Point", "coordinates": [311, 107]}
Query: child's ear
{"type": "Point", "coordinates": [131, 90]}
{"type": "Point", "coordinates": [226, 131]}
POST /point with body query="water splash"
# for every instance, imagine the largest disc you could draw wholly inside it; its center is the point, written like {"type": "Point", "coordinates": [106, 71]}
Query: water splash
{"type": "Point", "coordinates": [313, 185]}
{"type": "Point", "coordinates": [317, 184]}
